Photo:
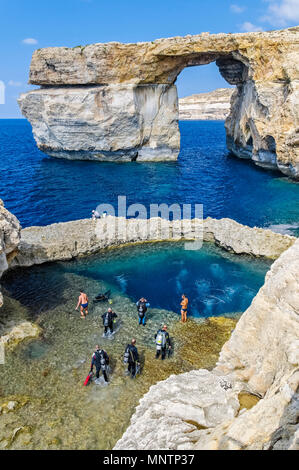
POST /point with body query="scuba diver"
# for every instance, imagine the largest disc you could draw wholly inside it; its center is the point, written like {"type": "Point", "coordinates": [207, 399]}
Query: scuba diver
{"type": "Point", "coordinates": [100, 360]}
{"type": "Point", "coordinates": [131, 357]}
{"type": "Point", "coordinates": [108, 320]}
{"type": "Point", "coordinates": [142, 306]}
{"type": "Point", "coordinates": [103, 297]}
{"type": "Point", "coordinates": [162, 342]}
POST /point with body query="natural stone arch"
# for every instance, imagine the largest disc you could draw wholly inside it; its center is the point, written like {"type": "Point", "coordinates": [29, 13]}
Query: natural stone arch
{"type": "Point", "coordinates": [119, 101]}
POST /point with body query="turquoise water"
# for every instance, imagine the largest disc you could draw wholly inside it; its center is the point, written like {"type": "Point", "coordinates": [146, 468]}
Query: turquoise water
{"type": "Point", "coordinates": [216, 282]}
{"type": "Point", "coordinates": [41, 190]}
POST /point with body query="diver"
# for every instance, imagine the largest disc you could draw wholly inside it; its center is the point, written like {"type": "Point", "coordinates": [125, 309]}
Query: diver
{"type": "Point", "coordinates": [131, 357]}
{"type": "Point", "coordinates": [100, 360]}
{"type": "Point", "coordinates": [163, 343]}
{"type": "Point", "coordinates": [103, 297]}
{"type": "Point", "coordinates": [108, 320]}
{"type": "Point", "coordinates": [142, 306]}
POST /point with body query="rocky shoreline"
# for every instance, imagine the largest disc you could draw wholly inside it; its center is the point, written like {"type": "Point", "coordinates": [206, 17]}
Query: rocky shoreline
{"type": "Point", "coordinates": [259, 360]}
{"type": "Point", "coordinates": [67, 240]}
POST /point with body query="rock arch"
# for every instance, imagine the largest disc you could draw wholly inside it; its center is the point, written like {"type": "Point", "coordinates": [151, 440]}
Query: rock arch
{"type": "Point", "coordinates": [119, 101]}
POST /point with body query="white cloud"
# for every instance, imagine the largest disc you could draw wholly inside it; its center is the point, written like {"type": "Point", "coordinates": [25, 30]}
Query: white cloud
{"type": "Point", "coordinates": [249, 27]}
{"type": "Point", "coordinates": [282, 13]}
{"type": "Point", "coordinates": [237, 8]}
{"type": "Point", "coordinates": [30, 41]}
{"type": "Point", "coordinates": [13, 83]}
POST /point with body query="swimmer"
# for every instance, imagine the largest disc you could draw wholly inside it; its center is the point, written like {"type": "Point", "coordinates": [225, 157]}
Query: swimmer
{"type": "Point", "coordinates": [184, 308]}
{"type": "Point", "coordinates": [83, 303]}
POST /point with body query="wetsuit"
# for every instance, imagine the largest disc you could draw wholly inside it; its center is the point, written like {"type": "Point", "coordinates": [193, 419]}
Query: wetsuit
{"type": "Point", "coordinates": [163, 348]}
{"type": "Point", "coordinates": [133, 359]}
{"type": "Point", "coordinates": [142, 309]}
{"type": "Point", "coordinates": [100, 360]}
{"type": "Point", "coordinates": [108, 318]}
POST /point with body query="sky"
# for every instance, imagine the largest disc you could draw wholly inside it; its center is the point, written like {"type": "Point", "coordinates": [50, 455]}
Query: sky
{"type": "Point", "coordinates": [26, 25]}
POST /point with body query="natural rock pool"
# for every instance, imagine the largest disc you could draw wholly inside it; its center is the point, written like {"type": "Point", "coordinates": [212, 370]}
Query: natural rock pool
{"type": "Point", "coordinates": [44, 378]}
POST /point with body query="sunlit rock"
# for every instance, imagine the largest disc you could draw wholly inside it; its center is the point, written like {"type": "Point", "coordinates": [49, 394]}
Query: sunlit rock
{"type": "Point", "coordinates": [262, 125]}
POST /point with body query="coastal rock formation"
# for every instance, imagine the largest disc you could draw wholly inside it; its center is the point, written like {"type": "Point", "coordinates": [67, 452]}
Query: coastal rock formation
{"type": "Point", "coordinates": [112, 122]}
{"type": "Point", "coordinates": [10, 235]}
{"type": "Point", "coordinates": [214, 105]}
{"type": "Point", "coordinates": [68, 240]}
{"type": "Point", "coordinates": [263, 123]}
{"type": "Point", "coordinates": [261, 358]}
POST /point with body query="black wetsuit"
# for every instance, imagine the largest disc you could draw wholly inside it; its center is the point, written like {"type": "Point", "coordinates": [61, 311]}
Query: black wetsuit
{"type": "Point", "coordinates": [108, 318]}
{"type": "Point", "coordinates": [100, 360]}
{"type": "Point", "coordinates": [133, 359]}
{"type": "Point", "coordinates": [164, 348]}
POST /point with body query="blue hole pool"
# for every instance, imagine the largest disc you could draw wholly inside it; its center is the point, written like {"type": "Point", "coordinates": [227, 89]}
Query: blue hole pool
{"type": "Point", "coordinates": [216, 282]}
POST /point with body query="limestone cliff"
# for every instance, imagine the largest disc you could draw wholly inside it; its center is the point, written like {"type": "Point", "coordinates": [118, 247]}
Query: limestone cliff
{"type": "Point", "coordinates": [263, 123]}
{"type": "Point", "coordinates": [204, 408]}
{"type": "Point", "coordinates": [10, 235]}
{"type": "Point", "coordinates": [214, 105]}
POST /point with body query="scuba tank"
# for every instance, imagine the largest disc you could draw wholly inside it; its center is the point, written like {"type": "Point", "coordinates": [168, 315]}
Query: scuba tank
{"type": "Point", "coordinates": [126, 355]}
{"type": "Point", "coordinates": [106, 319]}
{"type": "Point", "coordinates": [160, 340]}
{"type": "Point", "coordinates": [141, 306]}
{"type": "Point", "coordinates": [103, 363]}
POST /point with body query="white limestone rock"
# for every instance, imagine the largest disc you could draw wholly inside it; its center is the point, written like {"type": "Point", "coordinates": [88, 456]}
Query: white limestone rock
{"type": "Point", "coordinates": [119, 122]}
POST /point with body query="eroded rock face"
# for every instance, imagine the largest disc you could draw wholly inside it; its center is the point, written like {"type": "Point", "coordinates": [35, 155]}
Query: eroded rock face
{"type": "Point", "coordinates": [121, 122]}
{"type": "Point", "coordinates": [261, 357]}
{"type": "Point", "coordinates": [10, 235]}
{"type": "Point", "coordinates": [214, 105]}
{"type": "Point", "coordinates": [263, 124]}
{"type": "Point", "coordinates": [68, 240]}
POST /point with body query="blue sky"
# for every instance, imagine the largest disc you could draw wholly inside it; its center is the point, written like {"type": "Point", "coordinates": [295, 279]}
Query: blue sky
{"type": "Point", "coordinates": [29, 24]}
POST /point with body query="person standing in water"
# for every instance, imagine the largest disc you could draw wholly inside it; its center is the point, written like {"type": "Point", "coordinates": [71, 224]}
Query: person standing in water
{"type": "Point", "coordinates": [108, 320]}
{"type": "Point", "coordinates": [162, 343]}
{"type": "Point", "coordinates": [83, 304]}
{"type": "Point", "coordinates": [142, 306]}
{"type": "Point", "coordinates": [131, 357]}
{"type": "Point", "coordinates": [184, 305]}
{"type": "Point", "coordinates": [100, 360]}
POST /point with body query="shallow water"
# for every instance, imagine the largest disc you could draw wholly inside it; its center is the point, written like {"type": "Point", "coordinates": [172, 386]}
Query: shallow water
{"type": "Point", "coordinates": [216, 282]}
{"type": "Point", "coordinates": [46, 376]}
{"type": "Point", "coordinates": [42, 190]}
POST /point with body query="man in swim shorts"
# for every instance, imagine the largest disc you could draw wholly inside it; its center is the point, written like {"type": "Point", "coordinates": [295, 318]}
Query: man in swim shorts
{"type": "Point", "coordinates": [83, 302]}
{"type": "Point", "coordinates": [184, 308]}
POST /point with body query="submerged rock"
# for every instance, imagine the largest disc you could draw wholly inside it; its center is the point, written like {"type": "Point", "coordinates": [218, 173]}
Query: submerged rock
{"type": "Point", "coordinates": [258, 359]}
{"type": "Point", "coordinates": [19, 333]}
